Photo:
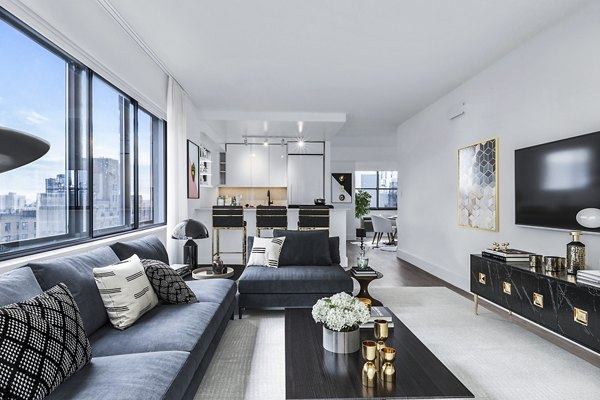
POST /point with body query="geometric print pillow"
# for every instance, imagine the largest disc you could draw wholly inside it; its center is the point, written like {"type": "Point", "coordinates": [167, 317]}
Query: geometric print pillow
{"type": "Point", "coordinates": [266, 251]}
{"type": "Point", "coordinates": [42, 343]}
{"type": "Point", "coordinates": [125, 291]}
{"type": "Point", "coordinates": [168, 284]}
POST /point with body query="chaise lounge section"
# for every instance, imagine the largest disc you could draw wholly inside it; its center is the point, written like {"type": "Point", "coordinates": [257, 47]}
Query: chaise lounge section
{"type": "Point", "coordinates": [309, 270]}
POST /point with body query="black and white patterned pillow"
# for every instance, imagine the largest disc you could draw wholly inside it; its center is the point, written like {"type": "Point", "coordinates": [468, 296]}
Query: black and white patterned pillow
{"type": "Point", "coordinates": [42, 343]}
{"type": "Point", "coordinates": [266, 251]}
{"type": "Point", "coordinates": [168, 284]}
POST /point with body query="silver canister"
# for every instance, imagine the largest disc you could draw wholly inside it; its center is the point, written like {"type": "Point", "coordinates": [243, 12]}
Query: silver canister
{"type": "Point", "coordinates": [552, 263]}
{"type": "Point", "coordinates": [536, 261]}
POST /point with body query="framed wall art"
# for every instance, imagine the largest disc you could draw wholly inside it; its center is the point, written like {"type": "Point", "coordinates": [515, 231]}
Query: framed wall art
{"type": "Point", "coordinates": [341, 187]}
{"type": "Point", "coordinates": [478, 185]}
{"type": "Point", "coordinates": [193, 177]}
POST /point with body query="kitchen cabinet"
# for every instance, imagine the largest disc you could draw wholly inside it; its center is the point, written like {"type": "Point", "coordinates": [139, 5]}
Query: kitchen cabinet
{"type": "Point", "coordinates": [256, 165]}
{"type": "Point", "coordinates": [238, 168]}
{"type": "Point", "coordinates": [277, 166]}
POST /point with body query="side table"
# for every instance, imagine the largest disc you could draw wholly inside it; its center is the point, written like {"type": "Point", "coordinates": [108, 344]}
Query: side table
{"type": "Point", "coordinates": [206, 273]}
{"type": "Point", "coordinates": [364, 281]}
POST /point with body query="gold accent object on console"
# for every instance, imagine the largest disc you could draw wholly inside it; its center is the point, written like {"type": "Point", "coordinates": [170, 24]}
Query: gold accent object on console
{"type": "Point", "coordinates": [388, 372]}
{"type": "Point", "coordinates": [506, 287]}
{"type": "Point", "coordinates": [538, 300]}
{"type": "Point", "coordinates": [369, 371]}
{"type": "Point", "coordinates": [580, 316]}
{"type": "Point", "coordinates": [482, 278]}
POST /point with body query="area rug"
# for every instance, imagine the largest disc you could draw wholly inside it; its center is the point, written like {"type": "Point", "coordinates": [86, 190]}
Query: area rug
{"type": "Point", "coordinates": [492, 356]}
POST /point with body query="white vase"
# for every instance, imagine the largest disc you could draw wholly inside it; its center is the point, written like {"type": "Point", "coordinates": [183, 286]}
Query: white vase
{"type": "Point", "coordinates": [341, 342]}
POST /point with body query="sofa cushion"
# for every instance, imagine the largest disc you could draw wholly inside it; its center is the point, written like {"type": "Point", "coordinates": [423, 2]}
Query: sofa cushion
{"type": "Point", "coordinates": [76, 272]}
{"type": "Point", "coordinates": [145, 376]}
{"type": "Point", "coordinates": [165, 328]}
{"type": "Point", "coordinates": [168, 285]}
{"type": "Point", "coordinates": [42, 343]}
{"type": "Point", "coordinates": [220, 291]}
{"type": "Point", "coordinates": [18, 285]}
{"type": "Point", "coordinates": [334, 250]}
{"type": "Point", "coordinates": [295, 279]}
{"type": "Point", "coordinates": [149, 247]}
{"type": "Point", "coordinates": [304, 248]}
{"type": "Point", "coordinates": [125, 291]}
{"type": "Point", "coordinates": [266, 251]}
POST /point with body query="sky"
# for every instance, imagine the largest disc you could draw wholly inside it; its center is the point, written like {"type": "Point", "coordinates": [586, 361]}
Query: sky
{"type": "Point", "coordinates": [33, 100]}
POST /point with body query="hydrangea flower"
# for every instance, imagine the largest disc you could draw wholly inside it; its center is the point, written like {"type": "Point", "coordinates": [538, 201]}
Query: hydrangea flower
{"type": "Point", "coordinates": [340, 312]}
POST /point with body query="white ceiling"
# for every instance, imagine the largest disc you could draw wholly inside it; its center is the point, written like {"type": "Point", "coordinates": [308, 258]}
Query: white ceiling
{"type": "Point", "coordinates": [376, 62]}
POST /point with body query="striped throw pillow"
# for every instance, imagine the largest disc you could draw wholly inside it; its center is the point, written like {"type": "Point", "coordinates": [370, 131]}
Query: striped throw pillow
{"type": "Point", "coordinates": [126, 291]}
{"type": "Point", "coordinates": [266, 251]}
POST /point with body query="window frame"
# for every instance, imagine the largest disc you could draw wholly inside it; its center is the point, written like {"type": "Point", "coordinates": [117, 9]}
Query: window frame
{"type": "Point", "coordinates": [378, 189]}
{"type": "Point", "coordinates": [78, 232]}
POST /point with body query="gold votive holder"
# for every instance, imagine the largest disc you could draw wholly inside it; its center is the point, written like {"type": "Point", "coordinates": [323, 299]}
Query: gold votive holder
{"type": "Point", "coordinates": [388, 372]}
{"type": "Point", "coordinates": [366, 302]}
{"type": "Point", "coordinates": [369, 371]}
{"type": "Point", "coordinates": [380, 329]}
{"type": "Point", "coordinates": [379, 361]}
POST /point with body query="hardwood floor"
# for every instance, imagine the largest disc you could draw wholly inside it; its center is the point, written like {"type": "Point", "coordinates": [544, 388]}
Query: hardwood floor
{"type": "Point", "coordinates": [397, 272]}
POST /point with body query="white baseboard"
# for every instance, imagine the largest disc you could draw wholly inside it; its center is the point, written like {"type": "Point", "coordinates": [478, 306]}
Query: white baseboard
{"type": "Point", "coordinates": [449, 276]}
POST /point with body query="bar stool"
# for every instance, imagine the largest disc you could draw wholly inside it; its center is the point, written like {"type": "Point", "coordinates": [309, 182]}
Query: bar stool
{"type": "Point", "coordinates": [270, 217]}
{"type": "Point", "coordinates": [228, 218]}
{"type": "Point", "coordinates": [312, 218]}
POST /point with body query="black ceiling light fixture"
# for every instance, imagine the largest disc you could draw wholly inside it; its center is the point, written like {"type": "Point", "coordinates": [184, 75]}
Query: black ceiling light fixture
{"type": "Point", "coordinates": [19, 148]}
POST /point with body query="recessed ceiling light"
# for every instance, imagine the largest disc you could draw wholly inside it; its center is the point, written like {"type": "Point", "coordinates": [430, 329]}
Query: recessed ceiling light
{"type": "Point", "coordinates": [266, 143]}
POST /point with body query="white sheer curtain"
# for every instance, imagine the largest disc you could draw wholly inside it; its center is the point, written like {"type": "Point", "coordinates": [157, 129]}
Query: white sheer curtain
{"type": "Point", "coordinates": [177, 209]}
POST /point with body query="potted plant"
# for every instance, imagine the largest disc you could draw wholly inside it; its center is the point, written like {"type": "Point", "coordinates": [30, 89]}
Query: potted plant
{"type": "Point", "coordinates": [341, 316]}
{"type": "Point", "coordinates": [362, 203]}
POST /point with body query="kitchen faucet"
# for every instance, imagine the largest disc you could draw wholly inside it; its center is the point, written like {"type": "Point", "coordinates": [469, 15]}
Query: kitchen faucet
{"type": "Point", "coordinates": [269, 202]}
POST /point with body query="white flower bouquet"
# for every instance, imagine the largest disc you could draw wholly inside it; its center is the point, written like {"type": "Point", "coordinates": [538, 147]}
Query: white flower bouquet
{"type": "Point", "coordinates": [340, 312]}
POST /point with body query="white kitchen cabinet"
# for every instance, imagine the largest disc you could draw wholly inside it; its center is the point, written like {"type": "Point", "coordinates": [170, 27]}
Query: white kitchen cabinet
{"type": "Point", "coordinates": [277, 166]}
{"type": "Point", "coordinates": [259, 165]}
{"type": "Point", "coordinates": [305, 178]}
{"type": "Point", "coordinates": [239, 165]}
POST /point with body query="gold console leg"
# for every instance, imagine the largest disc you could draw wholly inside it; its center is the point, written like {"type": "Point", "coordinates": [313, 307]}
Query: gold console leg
{"type": "Point", "coordinates": [475, 303]}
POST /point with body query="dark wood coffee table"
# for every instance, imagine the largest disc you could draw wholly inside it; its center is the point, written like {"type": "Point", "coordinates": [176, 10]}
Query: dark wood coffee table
{"type": "Point", "coordinates": [311, 372]}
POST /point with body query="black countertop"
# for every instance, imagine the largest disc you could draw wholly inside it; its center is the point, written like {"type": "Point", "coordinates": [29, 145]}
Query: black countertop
{"type": "Point", "coordinates": [310, 206]}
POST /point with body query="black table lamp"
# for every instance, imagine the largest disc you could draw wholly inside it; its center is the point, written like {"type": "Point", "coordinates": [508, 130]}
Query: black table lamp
{"type": "Point", "coordinates": [19, 148]}
{"type": "Point", "coordinates": [362, 234]}
{"type": "Point", "coordinates": [190, 229]}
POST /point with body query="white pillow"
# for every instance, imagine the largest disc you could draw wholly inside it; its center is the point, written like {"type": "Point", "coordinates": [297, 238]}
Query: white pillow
{"type": "Point", "coordinates": [125, 291]}
{"type": "Point", "coordinates": [266, 252]}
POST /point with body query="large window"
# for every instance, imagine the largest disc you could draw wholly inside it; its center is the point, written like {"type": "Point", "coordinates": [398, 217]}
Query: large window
{"type": "Point", "coordinates": [383, 187]}
{"type": "Point", "coordinates": [47, 203]}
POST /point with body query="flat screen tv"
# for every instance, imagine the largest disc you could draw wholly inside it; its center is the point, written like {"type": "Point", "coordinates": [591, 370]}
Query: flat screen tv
{"type": "Point", "coordinates": [553, 181]}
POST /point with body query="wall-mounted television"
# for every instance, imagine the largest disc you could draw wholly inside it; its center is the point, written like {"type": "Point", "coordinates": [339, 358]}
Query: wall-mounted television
{"type": "Point", "coordinates": [553, 181]}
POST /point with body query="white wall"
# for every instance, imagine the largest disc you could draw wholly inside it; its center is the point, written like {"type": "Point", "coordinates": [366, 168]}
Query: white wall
{"type": "Point", "coordinates": [547, 89]}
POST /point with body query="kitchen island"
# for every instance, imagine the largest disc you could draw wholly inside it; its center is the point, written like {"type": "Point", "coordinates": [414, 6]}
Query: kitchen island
{"type": "Point", "coordinates": [231, 240]}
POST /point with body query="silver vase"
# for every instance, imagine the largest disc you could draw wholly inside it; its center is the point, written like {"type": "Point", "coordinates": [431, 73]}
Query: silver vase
{"type": "Point", "coordinates": [341, 342]}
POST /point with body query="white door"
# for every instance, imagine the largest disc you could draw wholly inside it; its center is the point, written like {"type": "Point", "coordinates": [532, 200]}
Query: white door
{"type": "Point", "coordinates": [277, 166]}
{"type": "Point", "coordinates": [238, 165]}
{"type": "Point", "coordinates": [305, 179]}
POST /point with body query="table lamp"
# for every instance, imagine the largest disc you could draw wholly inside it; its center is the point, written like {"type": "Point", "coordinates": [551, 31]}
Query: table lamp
{"type": "Point", "coordinates": [190, 229]}
{"type": "Point", "coordinates": [19, 148]}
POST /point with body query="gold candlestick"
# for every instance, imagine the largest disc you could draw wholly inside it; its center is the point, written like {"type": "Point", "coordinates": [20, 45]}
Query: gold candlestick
{"type": "Point", "coordinates": [369, 371]}
{"type": "Point", "coordinates": [381, 331]}
{"type": "Point", "coordinates": [388, 372]}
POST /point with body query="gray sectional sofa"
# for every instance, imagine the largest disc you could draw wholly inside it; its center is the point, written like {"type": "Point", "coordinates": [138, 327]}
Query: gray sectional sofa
{"type": "Point", "coordinates": [164, 355]}
{"type": "Point", "coordinates": [309, 269]}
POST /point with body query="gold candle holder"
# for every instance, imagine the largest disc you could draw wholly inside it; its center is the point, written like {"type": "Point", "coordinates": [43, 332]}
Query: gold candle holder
{"type": "Point", "coordinates": [381, 332]}
{"type": "Point", "coordinates": [369, 371]}
{"type": "Point", "coordinates": [366, 302]}
{"type": "Point", "coordinates": [388, 372]}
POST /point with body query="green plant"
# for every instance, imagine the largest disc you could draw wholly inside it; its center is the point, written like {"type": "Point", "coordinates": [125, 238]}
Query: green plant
{"type": "Point", "coordinates": [362, 203]}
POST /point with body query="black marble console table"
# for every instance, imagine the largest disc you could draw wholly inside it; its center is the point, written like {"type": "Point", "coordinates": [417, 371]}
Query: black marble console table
{"type": "Point", "coordinates": [553, 300]}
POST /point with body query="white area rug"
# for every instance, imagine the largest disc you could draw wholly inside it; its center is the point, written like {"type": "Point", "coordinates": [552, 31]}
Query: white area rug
{"type": "Point", "coordinates": [493, 357]}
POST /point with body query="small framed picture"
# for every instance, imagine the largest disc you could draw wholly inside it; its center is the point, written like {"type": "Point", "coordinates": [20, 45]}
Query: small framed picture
{"type": "Point", "coordinates": [193, 176]}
